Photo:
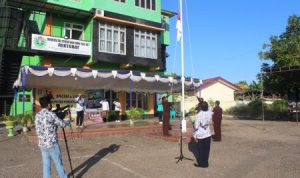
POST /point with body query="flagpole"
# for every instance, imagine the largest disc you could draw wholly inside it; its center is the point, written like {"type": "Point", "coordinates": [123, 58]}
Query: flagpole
{"type": "Point", "coordinates": [182, 68]}
{"type": "Point", "coordinates": [183, 121]}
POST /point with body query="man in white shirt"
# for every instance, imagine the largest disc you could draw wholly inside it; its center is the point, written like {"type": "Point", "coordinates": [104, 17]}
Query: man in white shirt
{"type": "Point", "coordinates": [80, 110]}
{"type": "Point", "coordinates": [105, 109]}
{"type": "Point", "coordinates": [117, 109]}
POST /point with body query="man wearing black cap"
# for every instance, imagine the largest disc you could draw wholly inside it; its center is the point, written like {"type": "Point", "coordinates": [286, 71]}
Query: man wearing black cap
{"type": "Point", "coordinates": [46, 123]}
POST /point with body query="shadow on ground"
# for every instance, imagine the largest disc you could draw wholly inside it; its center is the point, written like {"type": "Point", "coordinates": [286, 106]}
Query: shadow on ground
{"type": "Point", "coordinates": [86, 165]}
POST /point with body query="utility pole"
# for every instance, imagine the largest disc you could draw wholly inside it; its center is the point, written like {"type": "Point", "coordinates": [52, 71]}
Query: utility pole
{"type": "Point", "coordinates": [262, 95]}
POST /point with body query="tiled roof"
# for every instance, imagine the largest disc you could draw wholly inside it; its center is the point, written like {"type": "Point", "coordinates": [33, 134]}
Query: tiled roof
{"type": "Point", "coordinates": [211, 81]}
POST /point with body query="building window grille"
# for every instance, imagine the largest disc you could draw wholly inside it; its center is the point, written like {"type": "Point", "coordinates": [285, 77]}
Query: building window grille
{"type": "Point", "coordinates": [74, 31]}
{"type": "Point", "coordinates": [138, 100]}
{"type": "Point", "coordinates": [26, 98]}
{"type": "Point", "coordinates": [120, 1]}
{"type": "Point", "coordinates": [145, 44]}
{"type": "Point", "coordinates": [112, 39]}
{"type": "Point", "coordinates": [148, 4]}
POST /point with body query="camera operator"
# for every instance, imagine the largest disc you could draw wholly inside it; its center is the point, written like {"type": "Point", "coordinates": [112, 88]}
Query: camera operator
{"type": "Point", "coordinates": [46, 123]}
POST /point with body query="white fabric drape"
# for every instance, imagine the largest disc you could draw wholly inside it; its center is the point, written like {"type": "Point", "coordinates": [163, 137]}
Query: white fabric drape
{"type": "Point", "coordinates": [84, 74]}
{"type": "Point", "coordinates": [38, 72]}
{"type": "Point", "coordinates": [73, 78]}
{"type": "Point", "coordinates": [123, 76]}
{"type": "Point", "coordinates": [104, 75]}
{"type": "Point", "coordinates": [62, 73]}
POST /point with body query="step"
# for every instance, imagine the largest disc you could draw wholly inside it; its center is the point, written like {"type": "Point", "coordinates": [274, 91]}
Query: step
{"type": "Point", "coordinates": [101, 130]}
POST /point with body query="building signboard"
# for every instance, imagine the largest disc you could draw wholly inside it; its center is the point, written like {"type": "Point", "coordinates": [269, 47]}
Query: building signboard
{"type": "Point", "coordinates": [61, 45]}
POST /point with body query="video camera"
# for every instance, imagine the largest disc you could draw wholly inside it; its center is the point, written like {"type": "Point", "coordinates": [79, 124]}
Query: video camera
{"type": "Point", "coordinates": [61, 112]}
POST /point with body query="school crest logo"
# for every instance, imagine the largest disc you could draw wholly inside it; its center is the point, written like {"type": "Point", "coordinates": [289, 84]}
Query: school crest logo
{"type": "Point", "coordinates": [39, 41]}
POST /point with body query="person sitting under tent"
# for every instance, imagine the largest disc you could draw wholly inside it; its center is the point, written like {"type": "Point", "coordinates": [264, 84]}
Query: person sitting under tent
{"type": "Point", "coordinates": [172, 112]}
{"type": "Point", "coordinates": [160, 110]}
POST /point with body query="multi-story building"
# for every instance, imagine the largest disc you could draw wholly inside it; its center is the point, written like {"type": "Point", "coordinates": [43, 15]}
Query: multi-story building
{"type": "Point", "coordinates": [93, 34]}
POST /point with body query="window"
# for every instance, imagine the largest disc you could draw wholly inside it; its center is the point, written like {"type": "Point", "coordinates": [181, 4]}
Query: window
{"type": "Point", "coordinates": [164, 22]}
{"type": "Point", "coordinates": [74, 31]}
{"type": "Point", "coordinates": [112, 39]}
{"type": "Point", "coordinates": [120, 1]}
{"type": "Point", "coordinates": [148, 4]}
{"type": "Point", "coordinates": [138, 100]}
{"type": "Point", "coordinates": [145, 44]}
{"type": "Point", "coordinates": [26, 98]}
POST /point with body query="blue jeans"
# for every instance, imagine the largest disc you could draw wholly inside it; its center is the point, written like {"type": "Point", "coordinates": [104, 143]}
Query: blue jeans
{"type": "Point", "coordinates": [47, 155]}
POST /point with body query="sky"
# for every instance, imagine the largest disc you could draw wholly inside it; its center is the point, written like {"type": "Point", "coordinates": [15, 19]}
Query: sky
{"type": "Point", "coordinates": [223, 37]}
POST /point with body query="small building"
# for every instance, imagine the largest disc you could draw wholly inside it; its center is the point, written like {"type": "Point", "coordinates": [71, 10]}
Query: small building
{"type": "Point", "coordinates": [213, 89]}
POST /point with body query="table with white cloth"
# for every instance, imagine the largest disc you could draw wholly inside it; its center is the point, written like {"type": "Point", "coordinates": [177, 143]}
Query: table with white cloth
{"type": "Point", "coordinates": [94, 114]}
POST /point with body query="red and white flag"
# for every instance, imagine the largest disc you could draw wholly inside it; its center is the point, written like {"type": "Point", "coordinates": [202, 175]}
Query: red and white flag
{"type": "Point", "coordinates": [179, 27]}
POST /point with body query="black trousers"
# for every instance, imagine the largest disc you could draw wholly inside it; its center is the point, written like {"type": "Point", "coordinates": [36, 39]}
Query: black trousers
{"type": "Point", "coordinates": [79, 118]}
{"type": "Point", "coordinates": [117, 115]}
{"type": "Point", "coordinates": [160, 116]}
{"type": "Point", "coordinates": [203, 148]}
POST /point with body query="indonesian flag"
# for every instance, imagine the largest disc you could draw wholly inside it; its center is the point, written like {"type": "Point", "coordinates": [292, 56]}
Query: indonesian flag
{"type": "Point", "coordinates": [179, 27]}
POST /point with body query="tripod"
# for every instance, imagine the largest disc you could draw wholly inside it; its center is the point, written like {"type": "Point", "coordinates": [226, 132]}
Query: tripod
{"type": "Point", "coordinates": [69, 157]}
{"type": "Point", "coordinates": [60, 114]}
{"type": "Point", "coordinates": [181, 156]}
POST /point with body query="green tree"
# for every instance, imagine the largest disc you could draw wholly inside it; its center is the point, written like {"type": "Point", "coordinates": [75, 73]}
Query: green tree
{"type": "Point", "coordinates": [283, 51]}
{"type": "Point", "coordinates": [249, 91]}
{"type": "Point", "coordinates": [243, 85]}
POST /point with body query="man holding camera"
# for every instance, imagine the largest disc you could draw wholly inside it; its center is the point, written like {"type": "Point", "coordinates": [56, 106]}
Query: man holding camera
{"type": "Point", "coordinates": [46, 123]}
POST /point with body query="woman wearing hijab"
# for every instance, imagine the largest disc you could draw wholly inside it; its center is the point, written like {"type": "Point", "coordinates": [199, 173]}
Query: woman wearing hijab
{"type": "Point", "coordinates": [202, 134]}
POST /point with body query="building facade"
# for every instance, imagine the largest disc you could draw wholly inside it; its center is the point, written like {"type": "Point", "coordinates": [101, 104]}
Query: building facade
{"type": "Point", "coordinates": [102, 34]}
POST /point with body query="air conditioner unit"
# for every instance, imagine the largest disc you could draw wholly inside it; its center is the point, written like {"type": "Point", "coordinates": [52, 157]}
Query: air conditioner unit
{"type": "Point", "coordinates": [99, 12]}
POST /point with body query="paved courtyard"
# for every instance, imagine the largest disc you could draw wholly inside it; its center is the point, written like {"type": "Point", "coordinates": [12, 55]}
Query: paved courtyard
{"type": "Point", "coordinates": [251, 149]}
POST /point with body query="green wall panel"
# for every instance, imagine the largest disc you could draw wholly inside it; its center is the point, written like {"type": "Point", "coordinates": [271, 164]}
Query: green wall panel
{"type": "Point", "coordinates": [77, 4]}
{"type": "Point", "coordinates": [128, 8]}
{"type": "Point", "coordinates": [28, 104]}
{"type": "Point", "coordinates": [40, 18]}
{"type": "Point", "coordinates": [165, 37]}
{"type": "Point", "coordinates": [31, 60]}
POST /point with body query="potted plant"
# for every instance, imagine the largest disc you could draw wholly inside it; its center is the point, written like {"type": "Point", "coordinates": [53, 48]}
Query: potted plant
{"type": "Point", "coordinates": [9, 122]}
{"type": "Point", "coordinates": [26, 119]}
{"type": "Point", "coordinates": [133, 114]}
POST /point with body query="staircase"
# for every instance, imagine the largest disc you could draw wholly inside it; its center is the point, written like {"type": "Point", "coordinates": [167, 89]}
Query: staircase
{"type": "Point", "coordinates": [9, 71]}
{"type": "Point", "coordinates": [11, 25]}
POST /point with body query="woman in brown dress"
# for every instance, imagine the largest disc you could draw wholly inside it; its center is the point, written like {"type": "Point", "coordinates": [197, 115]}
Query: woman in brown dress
{"type": "Point", "coordinates": [217, 120]}
{"type": "Point", "coordinates": [166, 115]}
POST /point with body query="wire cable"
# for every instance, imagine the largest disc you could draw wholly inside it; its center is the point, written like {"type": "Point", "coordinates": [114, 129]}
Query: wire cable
{"type": "Point", "coordinates": [189, 38]}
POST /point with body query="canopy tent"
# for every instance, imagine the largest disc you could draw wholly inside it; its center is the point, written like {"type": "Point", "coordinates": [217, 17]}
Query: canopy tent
{"type": "Point", "coordinates": [117, 80]}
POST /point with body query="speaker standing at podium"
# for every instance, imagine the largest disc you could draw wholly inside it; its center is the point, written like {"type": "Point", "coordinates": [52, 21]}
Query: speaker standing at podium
{"type": "Point", "coordinates": [80, 110]}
